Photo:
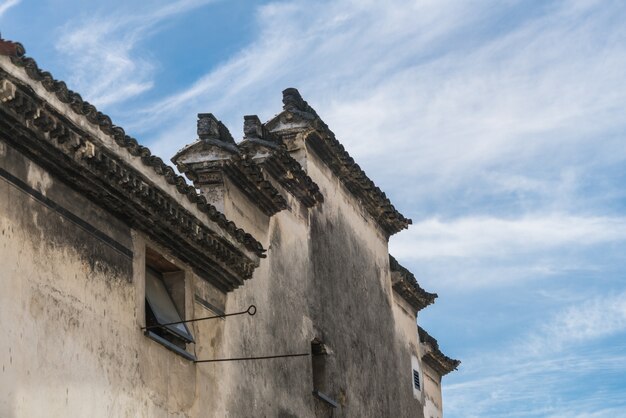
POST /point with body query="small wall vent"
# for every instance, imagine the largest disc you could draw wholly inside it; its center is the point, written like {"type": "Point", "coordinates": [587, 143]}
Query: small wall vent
{"type": "Point", "coordinates": [416, 379]}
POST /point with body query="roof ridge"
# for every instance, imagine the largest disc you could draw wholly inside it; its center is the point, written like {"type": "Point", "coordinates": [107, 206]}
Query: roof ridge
{"type": "Point", "coordinates": [443, 363]}
{"type": "Point", "coordinates": [389, 218]}
{"type": "Point", "coordinates": [409, 288]}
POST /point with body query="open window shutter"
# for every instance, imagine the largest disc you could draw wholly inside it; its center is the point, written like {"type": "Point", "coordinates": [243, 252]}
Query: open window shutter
{"type": "Point", "coordinates": [163, 307]}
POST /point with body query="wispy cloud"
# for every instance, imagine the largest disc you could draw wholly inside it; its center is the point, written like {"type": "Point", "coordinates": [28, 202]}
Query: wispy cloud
{"type": "Point", "coordinates": [297, 43]}
{"type": "Point", "coordinates": [591, 319]}
{"type": "Point", "coordinates": [106, 67]}
{"type": "Point", "coordinates": [491, 122]}
{"type": "Point", "coordinates": [472, 252]}
{"type": "Point", "coordinates": [558, 369]}
{"type": "Point", "coordinates": [497, 126]}
{"type": "Point", "coordinates": [491, 237]}
{"type": "Point", "coordinates": [6, 5]}
{"type": "Point", "coordinates": [423, 90]}
{"type": "Point", "coordinates": [489, 135]}
{"type": "Point", "coordinates": [563, 388]}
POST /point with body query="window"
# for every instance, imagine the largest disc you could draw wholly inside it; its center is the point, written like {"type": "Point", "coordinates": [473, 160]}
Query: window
{"type": "Point", "coordinates": [319, 359]}
{"type": "Point", "coordinates": [416, 379]}
{"type": "Point", "coordinates": [165, 305]}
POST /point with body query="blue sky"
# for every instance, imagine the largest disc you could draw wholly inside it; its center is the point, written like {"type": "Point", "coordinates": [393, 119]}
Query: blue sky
{"type": "Point", "coordinates": [497, 126]}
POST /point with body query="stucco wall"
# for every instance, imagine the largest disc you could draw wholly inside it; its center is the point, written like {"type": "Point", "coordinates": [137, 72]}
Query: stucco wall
{"type": "Point", "coordinates": [433, 407]}
{"type": "Point", "coordinates": [406, 330]}
{"type": "Point", "coordinates": [71, 308]}
{"type": "Point", "coordinates": [326, 276]}
{"type": "Point", "coordinates": [277, 387]}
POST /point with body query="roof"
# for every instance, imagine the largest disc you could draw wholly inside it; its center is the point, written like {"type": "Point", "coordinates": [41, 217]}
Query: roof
{"type": "Point", "coordinates": [132, 146]}
{"type": "Point", "coordinates": [324, 143]}
{"type": "Point", "coordinates": [267, 150]}
{"type": "Point", "coordinates": [118, 172]}
{"type": "Point", "coordinates": [216, 154]}
{"type": "Point", "coordinates": [441, 363]}
{"type": "Point", "coordinates": [226, 157]}
{"type": "Point", "coordinates": [405, 284]}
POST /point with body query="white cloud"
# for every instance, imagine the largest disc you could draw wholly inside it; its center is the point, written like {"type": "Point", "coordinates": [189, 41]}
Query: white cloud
{"type": "Point", "coordinates": [466, 103]}
{"type": "Point", "coordinates": [6, 5]}
{"type": "Point", "coordinates": [416, 89]}
{"type": "Point", "coordinates": [435, 108]}
{"type": "Point", "coordinates": [551, 370]}
{"type": "Point", "coordinates": [588, 320]}
{"type": "Point", "coordinates": [105, 65]}
{"type": "Point", "coordinates": [330, 50]}
{"type": "Point", "coordinates": [493, 238]}
{"type": "Point", "coordinates": [557, 387]}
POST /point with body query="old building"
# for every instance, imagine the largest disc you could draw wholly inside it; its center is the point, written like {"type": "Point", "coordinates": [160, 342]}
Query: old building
{"type": "Point", "coordinates": [434, 366]}
{"type": "Point", "coordinates": [111, 261]}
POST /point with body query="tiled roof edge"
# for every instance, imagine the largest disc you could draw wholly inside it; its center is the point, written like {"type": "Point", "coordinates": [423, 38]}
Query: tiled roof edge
{"type": "Point", "coordinates": [17, 52]}
{"type": "Point", "coordinates": [279, 162]}
{"type": "Point", "coordinates": [442, 363]}
{"type": "Point", "coordinates": [409, 288]}
{"type": "Point", "coordinates": [390, 219]}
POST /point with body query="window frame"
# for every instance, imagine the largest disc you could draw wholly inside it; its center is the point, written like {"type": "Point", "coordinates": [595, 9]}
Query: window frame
{"type": "Point", "coordinates": [416, 380]}
{"type": "Point", "coordinates": [319, 370]}
{"type": "Point", "coordinates": [167, 336]}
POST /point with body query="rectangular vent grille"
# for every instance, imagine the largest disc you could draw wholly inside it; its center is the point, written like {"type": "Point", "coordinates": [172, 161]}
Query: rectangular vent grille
{"type": "Point", "coordinates": [416, 379]}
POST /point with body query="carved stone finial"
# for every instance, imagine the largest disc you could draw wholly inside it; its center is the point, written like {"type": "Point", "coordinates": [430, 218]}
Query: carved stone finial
{"type": "Point", "coordinates": [292, 100]}
{"type": "Point", "coordinates": [252, 127]}
{"type": "Point", "coordinates": [208, 127]}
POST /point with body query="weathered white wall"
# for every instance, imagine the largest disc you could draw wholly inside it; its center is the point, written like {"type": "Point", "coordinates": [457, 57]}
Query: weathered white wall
{"type": "Point", "coordinates": [433, 407]}
{"type": "Point", "coordinates": [325, 276]}
{"type": "Point", "coordinates": [70, 311]}
{"type": "Point", "coordinates": [406, 328]}
{"type": "Point", "coordinates": [73, 307]}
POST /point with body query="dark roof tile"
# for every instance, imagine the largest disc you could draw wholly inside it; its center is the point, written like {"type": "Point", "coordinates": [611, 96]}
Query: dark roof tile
{"type": "Point", "coordinates": [16, 51]}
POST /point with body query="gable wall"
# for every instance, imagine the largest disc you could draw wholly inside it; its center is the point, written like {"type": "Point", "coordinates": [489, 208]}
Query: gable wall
{"type": "Point", "coordinates": [325, 276]}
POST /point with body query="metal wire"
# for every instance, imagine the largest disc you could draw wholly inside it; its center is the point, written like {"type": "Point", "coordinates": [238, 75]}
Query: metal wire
{"type": "Point", "coordinates": [250, 311]}
{"type": "Point", "coordinates": [251, 358]}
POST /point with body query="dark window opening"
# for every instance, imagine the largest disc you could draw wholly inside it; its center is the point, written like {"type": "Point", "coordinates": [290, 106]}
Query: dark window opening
{"type": "Point", "coordinates": [165, 304]}
{"type": "Point", "coordinates": [319, 362]}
